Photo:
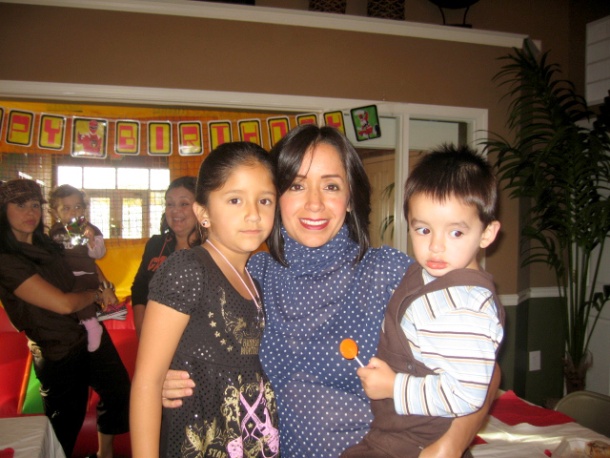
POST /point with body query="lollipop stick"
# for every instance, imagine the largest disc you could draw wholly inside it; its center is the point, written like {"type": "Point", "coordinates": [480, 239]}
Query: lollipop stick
{"type": "Point", "coordinates": [359, 362]}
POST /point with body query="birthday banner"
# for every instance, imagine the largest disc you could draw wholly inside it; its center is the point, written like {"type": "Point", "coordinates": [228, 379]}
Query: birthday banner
{"type": "Point", "coordinates": [101, 137]}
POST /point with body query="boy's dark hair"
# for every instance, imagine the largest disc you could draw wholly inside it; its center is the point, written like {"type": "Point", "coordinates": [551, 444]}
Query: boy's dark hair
{"type": "Point", "coordinates": [288, 156]}
{"type": "Point", "coordinates": [65, 190]}
{"type": "Point", "coordinates": [455, 171]}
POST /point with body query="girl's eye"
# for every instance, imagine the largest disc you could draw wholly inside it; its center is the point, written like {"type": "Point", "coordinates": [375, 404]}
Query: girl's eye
{"type": "Point", "coordinates": [422, 230]}
{"type": "Point", "coordinates": [234, 201]}
{"type": "Point", "coordinates": [457, 234]}
{"type": "Point", "coordinates": [266, 202]}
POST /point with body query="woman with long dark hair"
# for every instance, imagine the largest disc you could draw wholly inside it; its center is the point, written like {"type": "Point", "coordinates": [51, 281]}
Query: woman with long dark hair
{"type": "Point", "coordinates": [36, 287]}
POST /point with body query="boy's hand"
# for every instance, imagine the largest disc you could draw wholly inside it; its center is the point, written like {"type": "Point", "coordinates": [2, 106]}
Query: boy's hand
{"type": "Point", "coordinates": [89, 234]}
{"type": "Point", "coordinates": [108, 298]}
{"type": "Point", "coordinates": [377, 379]}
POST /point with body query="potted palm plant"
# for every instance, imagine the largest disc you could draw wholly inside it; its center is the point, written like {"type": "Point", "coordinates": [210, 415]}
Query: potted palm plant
{"type": "Point", "coordinates": [560, 164]}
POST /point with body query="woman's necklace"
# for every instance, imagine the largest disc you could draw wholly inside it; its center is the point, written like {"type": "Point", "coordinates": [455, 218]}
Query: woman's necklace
{"type": "Point", "coordinates": [257, 299]}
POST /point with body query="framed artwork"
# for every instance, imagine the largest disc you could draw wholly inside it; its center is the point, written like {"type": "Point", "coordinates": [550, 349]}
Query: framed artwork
{"type": "Point", "coordinates": [366, 122]}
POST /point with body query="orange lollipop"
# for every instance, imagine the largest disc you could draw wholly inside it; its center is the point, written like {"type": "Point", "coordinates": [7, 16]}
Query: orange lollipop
{"type": "Point", "coordinates": [349, 350]}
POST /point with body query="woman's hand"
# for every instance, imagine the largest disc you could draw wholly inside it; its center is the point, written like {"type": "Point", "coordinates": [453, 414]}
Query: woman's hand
{"type": "Point", "coordinates": [177, 385]}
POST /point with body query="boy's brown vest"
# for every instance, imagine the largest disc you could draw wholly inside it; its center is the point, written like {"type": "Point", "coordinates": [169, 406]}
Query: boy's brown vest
{"type": "Point", "coordinates": [391, 434]}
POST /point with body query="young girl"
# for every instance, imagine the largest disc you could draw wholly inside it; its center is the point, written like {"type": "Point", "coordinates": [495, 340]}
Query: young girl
{"type": "Point", "coordinates": [81, 248]}
{"type": "Point", "coordinates": [204, 315]}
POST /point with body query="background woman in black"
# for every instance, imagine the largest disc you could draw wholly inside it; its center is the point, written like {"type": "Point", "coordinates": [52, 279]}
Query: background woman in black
{"type": "Point", "coordinates": [36, 291]}
{"type": "Point", "coordinates": [178, 232]}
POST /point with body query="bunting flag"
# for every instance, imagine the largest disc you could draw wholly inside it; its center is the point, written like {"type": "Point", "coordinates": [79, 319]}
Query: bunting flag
{"type": "Point", "coordinates": [335, 119]}
{"type": "Point", "coordinates": [51, 132]}
{"type": "Point", "coordinates": [127, 138]}
{"type": "Point", "coordinates": [19, 129]}
{"type": "Point", "coordinates": [250, 131]}
{"type": "Point", "coordinates": [89, 138]}
{"type": "Point", "coordinates": [220, 132]}
{"type": "Point", "coordinates": [190, 142]}
{"type": "Point", "coordinates": [278, 127]}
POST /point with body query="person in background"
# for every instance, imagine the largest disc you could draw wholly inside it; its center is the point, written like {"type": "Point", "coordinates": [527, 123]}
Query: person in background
{"type": "Point", "coordinates": [83, 243]}
{"type": "Point", "coordinates": [444, 324]}
{"type": "Point", "coordinates": [178, 232]}
{"type": "Point", "coordinates": [321, 283]}
{"type": "Point", "coordinates": [205, 315]}
{"type": "Point", "coordinates": [37, 292]}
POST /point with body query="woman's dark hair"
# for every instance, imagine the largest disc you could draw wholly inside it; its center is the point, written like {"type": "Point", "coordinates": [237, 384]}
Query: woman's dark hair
{"type": "Point", "coordinates": [190, 184]}
{"type": "Point", "coordinates": [288, 156]}
{"type": "Point", "coordinates": [457, 171]}
{"type": "Point", "coordinates": [218, 165]}
{"type": "Point", "coordinates": [10, 245]}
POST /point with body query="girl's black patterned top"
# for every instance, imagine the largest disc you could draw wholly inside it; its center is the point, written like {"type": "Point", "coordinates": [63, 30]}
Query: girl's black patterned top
{"type": "Point", "coordinates": [232, 412]}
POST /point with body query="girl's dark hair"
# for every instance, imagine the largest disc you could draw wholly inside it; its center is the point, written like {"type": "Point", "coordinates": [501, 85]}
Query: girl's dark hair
{"type": "Point", "coordinates": [218, 165]}
{"type": "Point", "coordinates": [288, 156]}
{"type": "Point", "coordinates": [10, 245]}
{"type": "Point", "coordinates": [65, 190]}
{"type": "Point", "coordinates": [190, 184]}
{"type": "Point", "coordinates": [455, 171]}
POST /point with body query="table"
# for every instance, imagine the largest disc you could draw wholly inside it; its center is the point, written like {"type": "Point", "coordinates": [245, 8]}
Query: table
{"type": "Point", "coordinates": [519, 429]}
{"type": "Point", "coordinates": [29, 437]}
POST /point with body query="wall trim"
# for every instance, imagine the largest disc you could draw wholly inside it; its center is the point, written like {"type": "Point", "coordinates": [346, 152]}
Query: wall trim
{"type": "Point", "coordinates": [168, 96]}
{"type": "Point", "coordinates": [509, 300]}
{"type": "Point", "coordinates": [292, 17]}
{"type": "Point", "coordinates": [537, 293]}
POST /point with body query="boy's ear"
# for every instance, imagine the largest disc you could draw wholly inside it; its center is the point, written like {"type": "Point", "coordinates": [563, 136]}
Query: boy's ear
{"type": "Point", "coordinates": [200, 212]}
{"type": "Point", "coordinates": [489, 234]}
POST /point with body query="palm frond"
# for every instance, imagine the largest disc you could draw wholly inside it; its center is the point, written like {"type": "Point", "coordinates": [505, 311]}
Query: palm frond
{"type": "Point", "coordinates": [563, 170]}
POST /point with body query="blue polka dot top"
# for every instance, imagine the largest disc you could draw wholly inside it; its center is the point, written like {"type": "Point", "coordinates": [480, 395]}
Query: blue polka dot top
{"type": "Point", "coordinates": [320, 299]}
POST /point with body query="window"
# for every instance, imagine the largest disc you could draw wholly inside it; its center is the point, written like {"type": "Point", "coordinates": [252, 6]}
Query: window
{"type": "Point", "coordinates": [123, 202]}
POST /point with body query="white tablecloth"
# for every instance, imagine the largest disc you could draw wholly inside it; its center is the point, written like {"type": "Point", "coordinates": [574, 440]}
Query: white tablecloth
{"type": "Point", "coordinates": [525, 440]}
{"type": "Point", "coordinates": [30, 437]}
